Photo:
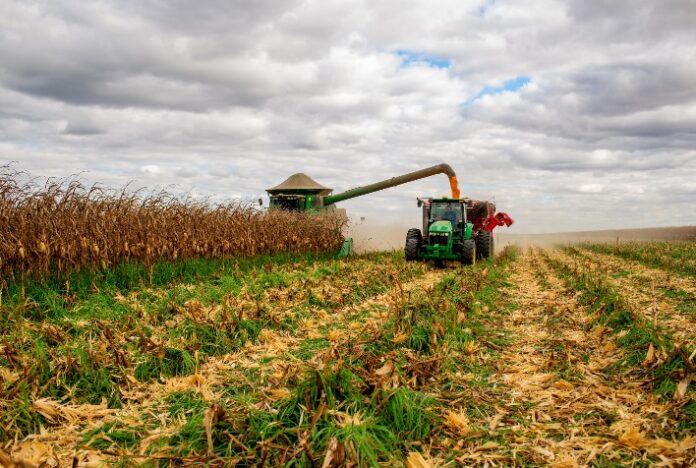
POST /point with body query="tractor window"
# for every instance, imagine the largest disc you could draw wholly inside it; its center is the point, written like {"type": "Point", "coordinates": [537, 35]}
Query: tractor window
{"type": "Point", "coordinates": [451, 212]}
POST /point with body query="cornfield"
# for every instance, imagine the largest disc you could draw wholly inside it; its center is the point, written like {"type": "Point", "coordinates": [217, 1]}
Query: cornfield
{"type": "Point", "coordinates": [63, 226]}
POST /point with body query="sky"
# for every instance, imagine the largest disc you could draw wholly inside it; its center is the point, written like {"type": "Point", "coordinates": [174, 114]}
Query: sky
{"type": "Point", "coordinates": [570, 115]}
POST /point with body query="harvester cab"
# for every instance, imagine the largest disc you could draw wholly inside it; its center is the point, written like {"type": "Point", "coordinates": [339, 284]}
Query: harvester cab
{"type": "Point", "coordinates": [454, 229]}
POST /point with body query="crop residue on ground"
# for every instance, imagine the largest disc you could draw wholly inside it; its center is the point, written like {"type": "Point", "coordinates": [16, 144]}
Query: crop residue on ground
{"type": "Point", "coordinates": [573, 356]}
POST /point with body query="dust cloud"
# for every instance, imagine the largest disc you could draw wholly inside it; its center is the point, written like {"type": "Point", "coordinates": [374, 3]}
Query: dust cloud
{"type": "Point", "coordinates": [373, 236]}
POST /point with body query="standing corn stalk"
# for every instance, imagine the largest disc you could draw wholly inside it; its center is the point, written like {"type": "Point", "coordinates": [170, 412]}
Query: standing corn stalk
{"type": "Point", "coordinates": [62, 227]}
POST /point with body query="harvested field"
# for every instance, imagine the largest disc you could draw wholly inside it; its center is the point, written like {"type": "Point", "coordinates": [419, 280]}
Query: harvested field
{"type": "Point", "coordinates": [562, 357]}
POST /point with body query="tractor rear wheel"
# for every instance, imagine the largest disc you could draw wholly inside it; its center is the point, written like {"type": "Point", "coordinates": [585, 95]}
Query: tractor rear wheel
{"type": "Point", "coordinates": [469, 252]}
{"type": "Point", "coordinates": [484, 244]}
{"type": "Point", "coordinates": [413, 243]}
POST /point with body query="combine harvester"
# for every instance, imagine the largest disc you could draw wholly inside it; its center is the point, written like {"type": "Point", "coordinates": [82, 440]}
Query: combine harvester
{"type": "Point", "coordinates": [453, 228]}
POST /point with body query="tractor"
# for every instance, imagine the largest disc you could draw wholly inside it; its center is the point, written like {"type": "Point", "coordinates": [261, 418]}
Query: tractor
{"type": "Point", "coordinates": [454, 229]}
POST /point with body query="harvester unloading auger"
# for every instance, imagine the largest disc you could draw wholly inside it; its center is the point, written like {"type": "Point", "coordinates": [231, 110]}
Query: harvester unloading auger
{"type": "Point", "coordinates": [453, 228]}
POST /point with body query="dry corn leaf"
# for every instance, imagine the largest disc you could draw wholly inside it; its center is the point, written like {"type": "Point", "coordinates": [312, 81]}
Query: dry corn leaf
{"type": "Point", "coordinates": [632, 437]}
{"type": "Point", "coordinates": [400, 338]}
{"type": "Point", "coordinates": [680, 392]}
{"type": "Point", "coordinates": [457, 422]}
{"type": "Point", "coordinates": [563, 385]}
{"type": "Point", "coordinates": [471, 347]}
{"type": "Point", "coordinates": [545, 452]}
{"type": "Point", "coordinates": [55, 412]}
{"type": "Point", "coordinates": [386, 369]}
{"type": "Point", "coordinates": [495, 420]}
{"type": "Point", "coordinates": [565, 461]}
{"type": "Point", "coordinates": [487, 446]}
{"type": "Point", "coordinates": [599, 330]}
{"type": "Point", "coordinates": [33, 452]}
{"type": "Point", "coordinates": [277, 394]}
{"type": "Point", "coordinates": [8, 376]}
{"type": "Point", "coordinates": [686, 444]}
{"type": "Point", "coordinates": [334, 335]}
{"type": "Point", "coordinates": [332, 451]}
{"type": "Point", "coordinates": [608, 347]}
{"type": "Point", "coordinates": [346, 419]}
{"type": "Point", "coordinates": [416, 460]}
{"type": "Point", "coordinates": [649, 356]}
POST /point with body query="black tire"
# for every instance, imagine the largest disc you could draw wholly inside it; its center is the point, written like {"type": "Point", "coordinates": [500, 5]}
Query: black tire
{"type": "Point", "coordinates": [484, 245]}
{"type": "Point", "coordinates": [469, 252]}
{"type": "Point", "coordinates": [413, 243]}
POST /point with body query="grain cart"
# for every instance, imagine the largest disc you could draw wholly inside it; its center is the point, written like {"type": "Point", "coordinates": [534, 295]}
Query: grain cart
{"type": "Point", "coordinates": [454, 229]}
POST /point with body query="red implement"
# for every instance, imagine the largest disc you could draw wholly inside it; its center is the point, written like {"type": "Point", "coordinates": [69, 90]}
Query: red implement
{"type": "Point", "coordinates": [498, 219]}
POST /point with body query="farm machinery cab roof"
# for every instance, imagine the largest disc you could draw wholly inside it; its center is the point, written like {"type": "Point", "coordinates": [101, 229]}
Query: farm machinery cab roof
{"type": "Point", "coordinates": [454, 229]}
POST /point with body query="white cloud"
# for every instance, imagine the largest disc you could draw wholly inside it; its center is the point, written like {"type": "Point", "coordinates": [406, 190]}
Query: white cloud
{"type": "Point", "coordinates": [228, 98]}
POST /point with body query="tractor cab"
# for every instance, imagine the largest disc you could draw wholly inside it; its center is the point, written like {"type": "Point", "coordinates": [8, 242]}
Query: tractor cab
{"type": "Point", "coordinates": [446, 234]}
{"type": "Point", "coordinates": [445, 216]}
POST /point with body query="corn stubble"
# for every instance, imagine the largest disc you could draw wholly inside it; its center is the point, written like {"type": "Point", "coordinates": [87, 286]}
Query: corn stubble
{"type": "Point", "coordinates": [63, 227]}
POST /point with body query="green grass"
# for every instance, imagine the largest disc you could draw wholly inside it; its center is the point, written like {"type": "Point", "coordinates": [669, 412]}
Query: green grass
{"type": "Point", "coordinates": [674, 256]}
{"type": "Point", "coordinates": [633, 333]}
{"type": "Point", "coordinates": [309, 347]}
{"type": "Point", "coordinates": [172, 362]}
{"type": "Point", "coordinates": [113, 435]}
{"type": "Point", "coordinates": [410, 414]}
{"type": "Point", "coordinates": [685, 301]}
{"type": "Point", "coordinates": [83, 339]}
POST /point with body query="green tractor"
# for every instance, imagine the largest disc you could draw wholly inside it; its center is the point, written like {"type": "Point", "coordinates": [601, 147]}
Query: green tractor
{"type": "Point", "coordinates": [454, 229]}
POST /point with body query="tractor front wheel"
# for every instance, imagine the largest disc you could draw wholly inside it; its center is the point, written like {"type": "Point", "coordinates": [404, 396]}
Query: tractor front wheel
{"type": "Point", "coordinates": [469, 252]}
{"type": "Point", "coordinates": [413, 243]}
{"type": "Point", "coordinates": [484, 244]}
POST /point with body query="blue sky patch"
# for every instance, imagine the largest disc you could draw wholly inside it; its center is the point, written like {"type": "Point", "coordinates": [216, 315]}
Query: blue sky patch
{"type": "Point", "coordinates": [483, 9]}
{"type": "Point", "coordinates": [513, 84]}
{"type": "Point", "coordinates": [409, 58]}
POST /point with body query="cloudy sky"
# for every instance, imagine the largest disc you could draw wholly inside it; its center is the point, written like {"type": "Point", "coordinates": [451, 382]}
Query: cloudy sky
{"type": "Point", "coordinates": [571, 114]}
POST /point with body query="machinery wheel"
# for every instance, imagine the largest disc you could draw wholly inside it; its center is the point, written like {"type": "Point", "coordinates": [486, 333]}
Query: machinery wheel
{"type": "Point", "coordinates": [469, 252]}
{"type": "Point", "coordinates": [484, 244]}
{"type": "Point", "coordinates": [413, 242]}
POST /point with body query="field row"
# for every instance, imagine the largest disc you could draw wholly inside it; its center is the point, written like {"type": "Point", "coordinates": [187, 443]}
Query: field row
{"type": "Point", "coordinates": [675, 257]}
{"type": "Point", "coordinates": [565, 357]}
